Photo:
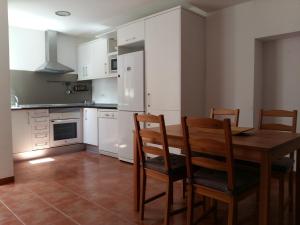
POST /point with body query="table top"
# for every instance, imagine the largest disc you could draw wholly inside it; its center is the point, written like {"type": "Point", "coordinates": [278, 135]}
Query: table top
{"type": "Point", "coordinates": [263, 140]}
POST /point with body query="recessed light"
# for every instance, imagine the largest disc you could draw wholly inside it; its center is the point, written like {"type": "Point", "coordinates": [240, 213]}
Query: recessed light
{"type": "Point", "coordinates": [63, 13]}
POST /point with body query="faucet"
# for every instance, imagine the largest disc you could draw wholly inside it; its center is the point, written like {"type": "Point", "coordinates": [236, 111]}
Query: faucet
{"type": "Point", "coordinates": [16, 100]}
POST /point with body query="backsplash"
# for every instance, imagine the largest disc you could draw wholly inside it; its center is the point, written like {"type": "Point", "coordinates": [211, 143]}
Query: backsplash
{"type": "Point", "coordinates": [38, 88]}
{"type": "Point", "coordinates": [105, 90]}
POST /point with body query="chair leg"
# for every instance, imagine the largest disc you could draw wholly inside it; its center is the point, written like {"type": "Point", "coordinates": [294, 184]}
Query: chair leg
{"type": "Point", "coordinates": [281, 202]}
{"type": "Point", "coordinates": [232, 212]}
{"type": "Point", "coordinates": [190, 200]}
{"type": "Point", "coordinates": [183, 188]}
{"type": "Point", "coordinates": [291, 192]}
{"type": "Point", "coordinates": [142, 195]}
{"type": "Point", "coordinates": [215, 206]}
{"type": "Point", "coordinates": [171, 193]}
{"type": "Point", "coordinates": [169, 198]}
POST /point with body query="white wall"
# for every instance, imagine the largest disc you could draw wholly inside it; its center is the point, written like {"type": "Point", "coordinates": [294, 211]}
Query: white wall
{"type": "Point", "coordinates": [27, 49]}
{"type": "Point", "coordinates": [105, 90]}
{"type": "Point", "coordinates": [6, 162]}
{"type": "Point", "coordinates": [231, 35]}
{"type": "Point", "coordinates": [281, 74]}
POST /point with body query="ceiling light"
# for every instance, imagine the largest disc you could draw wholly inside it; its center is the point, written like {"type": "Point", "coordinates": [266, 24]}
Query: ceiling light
{"type": "Point", "coordinates": [63, 13]}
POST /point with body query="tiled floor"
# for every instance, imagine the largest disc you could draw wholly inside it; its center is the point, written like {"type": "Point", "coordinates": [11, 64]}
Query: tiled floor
{"type": "Point", "coordinates": [89, 189]}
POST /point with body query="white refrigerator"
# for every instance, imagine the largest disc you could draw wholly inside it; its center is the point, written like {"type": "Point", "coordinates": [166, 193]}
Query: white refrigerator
{"type": "Point", "coordinates": [130, 100]}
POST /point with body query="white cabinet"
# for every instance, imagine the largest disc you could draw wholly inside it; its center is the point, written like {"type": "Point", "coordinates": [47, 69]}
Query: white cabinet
{"type": "Point", "coordinates": [21, 131]}
{"type": "Point", "coordinates": [175, 65]}
{"type": "Point", "coordinates": [108, 130]}
{"type": "Point", "coordinates": [163, 67]}
{"type": "Point", "coordinates": [40, 130]}
{"type": "Point", "coordinates": [131, 33]}
{"type": "Point", "coordinates": [30, 130]}
{"type": "Point", "coordinates": [92, 60]}
{"type": "Point", "coordinates": [27, 49]}
{"type": "Point", "coordinates": [21, 45]}
{"type": "Point", "coordinates": [90, 126]}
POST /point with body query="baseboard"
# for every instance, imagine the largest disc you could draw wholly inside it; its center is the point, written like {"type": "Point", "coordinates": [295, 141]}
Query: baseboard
{"type": "Point", "coordinates": [7, 180]}
{"type": "Point", "coordinates": [114, 155]}
{"type": "Point", "coordinates": [92, 148]}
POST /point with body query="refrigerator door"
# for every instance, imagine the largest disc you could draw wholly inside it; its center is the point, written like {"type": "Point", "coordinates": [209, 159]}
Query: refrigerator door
{"type": "Point", "coordinates": [131, 81]}
{"type": "Point", "coordinates": [125, 135]}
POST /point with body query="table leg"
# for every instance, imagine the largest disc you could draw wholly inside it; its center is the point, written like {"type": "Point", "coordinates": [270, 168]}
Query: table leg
{"type": "Point", "coordinates": [297, 198]}
{"type": "Point", "coordinates": [136, 174]}
{"type": "Point", "coordinates": [265, 184]}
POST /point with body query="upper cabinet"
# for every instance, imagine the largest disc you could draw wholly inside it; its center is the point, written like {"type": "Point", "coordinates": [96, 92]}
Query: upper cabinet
{"type": "Point", "coordinates": [92, 60]}
{"type": "Point", "coordinates": [131, 33]}
{"type": "Point", "coordinates": [27, 49]}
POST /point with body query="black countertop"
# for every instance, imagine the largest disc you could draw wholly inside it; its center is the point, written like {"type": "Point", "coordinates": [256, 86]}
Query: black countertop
{"type": "Point", "coordinates": [71, 105]}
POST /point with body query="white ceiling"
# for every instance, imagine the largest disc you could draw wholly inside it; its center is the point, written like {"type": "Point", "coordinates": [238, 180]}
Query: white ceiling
{"type": "Point", "coordinates": [91, 17]}
{"type": "Point", "coordinates": [213, 5]}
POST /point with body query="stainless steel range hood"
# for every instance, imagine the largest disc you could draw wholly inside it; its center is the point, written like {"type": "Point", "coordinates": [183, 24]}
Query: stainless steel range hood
{"type": "Point", "coordinates": [52, 65]}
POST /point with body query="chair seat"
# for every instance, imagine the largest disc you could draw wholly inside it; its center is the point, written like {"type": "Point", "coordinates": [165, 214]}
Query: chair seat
{"type": "Point", "coordinates": [283, 165]}
{"type": "Point", "coordinates": [177, 164]}
{"type": "Point", "coordinates": [244, 180]}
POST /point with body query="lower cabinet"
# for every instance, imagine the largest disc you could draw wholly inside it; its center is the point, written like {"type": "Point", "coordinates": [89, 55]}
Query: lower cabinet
{"type": "Point", "coordinates": [90, 126]}
{"type": "Point", "coordinates": [21, 131]}
{"type": "Point", "coordinates": [30, 130]}
{"type": "Point", "coordinates": [108, 130]}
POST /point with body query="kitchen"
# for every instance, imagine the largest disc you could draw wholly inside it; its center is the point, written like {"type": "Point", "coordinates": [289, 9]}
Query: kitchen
{"type": "Point", "coordinates": [116, 112]}
{"type": "Point", "coordinates": [95, 112]}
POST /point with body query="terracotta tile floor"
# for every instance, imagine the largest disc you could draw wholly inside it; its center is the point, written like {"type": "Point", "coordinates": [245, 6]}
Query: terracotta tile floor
{"type": "Point", "coordinates": [89, 189]}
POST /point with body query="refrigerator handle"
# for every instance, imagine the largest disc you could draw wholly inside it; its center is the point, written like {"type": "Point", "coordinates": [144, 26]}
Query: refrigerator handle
{"type": "Point", "coordinates": [148, 99]}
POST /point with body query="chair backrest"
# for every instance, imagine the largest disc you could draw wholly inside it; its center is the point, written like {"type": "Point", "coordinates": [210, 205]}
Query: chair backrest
{"type": "Point", "coordinates": [277, 125]}
{"type": "Point", "coordinates": [158, 140]}
{"type": "Point", "coordinates": [234, 115]}
{"type": "Point", "coordinates": [197, 141]}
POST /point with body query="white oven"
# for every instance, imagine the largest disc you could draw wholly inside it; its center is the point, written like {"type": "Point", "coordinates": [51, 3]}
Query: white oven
{"type": "Point", "coordinates": [65, 127]}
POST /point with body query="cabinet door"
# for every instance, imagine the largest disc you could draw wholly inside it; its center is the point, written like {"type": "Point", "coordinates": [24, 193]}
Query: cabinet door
{"type": "Point", "coordinates": [84, 57]}
{"type": "Point", "coordinates": [90, 126]}
{"type": "Point", "coordinates": [131, 33]}
{"type": "Point", "coordinates": [98, 49]}
{"type": "Point", "coordinates": [108, 130]}
{"type": "Point", "coordinates": [171, 117]}
{"type": "Point", "coordinates": [163, 61]}
{"type": "Point", "coordinates": [21, 131]}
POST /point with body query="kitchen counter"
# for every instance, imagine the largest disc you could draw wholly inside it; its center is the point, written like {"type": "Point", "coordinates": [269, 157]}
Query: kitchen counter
{"type": "Point", "coordinates": [71, 105]}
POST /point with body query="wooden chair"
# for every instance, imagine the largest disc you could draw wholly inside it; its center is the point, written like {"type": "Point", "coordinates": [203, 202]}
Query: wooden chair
{"type": "Point", "coordinates": [217, 179]}
{"type": "Point", "coordinates": [234, 115]}
{"type": "Point", "coordinates": [165, 167]}
{"type": "Point", "coordinates": [282, 168]}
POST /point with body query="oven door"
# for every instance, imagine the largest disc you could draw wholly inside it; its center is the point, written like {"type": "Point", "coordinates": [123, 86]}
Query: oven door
{"type": "Point", "coordinates": [65, 132]}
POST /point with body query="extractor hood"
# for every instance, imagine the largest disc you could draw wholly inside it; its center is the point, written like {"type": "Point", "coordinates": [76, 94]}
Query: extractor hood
{"type": "Point", "coordinates": [52, 65]}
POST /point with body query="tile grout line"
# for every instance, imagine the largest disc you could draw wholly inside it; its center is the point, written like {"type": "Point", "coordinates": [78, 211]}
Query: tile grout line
{"type": "Point", "coordinates": [18, 218]}
{"type": "Point", "coordinates": [95, 203]}
{"type": "Point", "coordinates": [58, 210]}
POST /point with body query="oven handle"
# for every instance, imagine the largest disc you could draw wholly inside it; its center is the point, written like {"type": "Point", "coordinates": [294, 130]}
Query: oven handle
{"type": "Point", "coordinates": [66, 120]}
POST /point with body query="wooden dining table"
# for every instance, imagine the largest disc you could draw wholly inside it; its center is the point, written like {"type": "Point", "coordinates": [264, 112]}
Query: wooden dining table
{"type": "Point", "coordinates": [260, 146]}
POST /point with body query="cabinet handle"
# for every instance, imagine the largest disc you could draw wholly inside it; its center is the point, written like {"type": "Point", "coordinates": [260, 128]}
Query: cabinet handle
{"type": "Point", "coordinates": [148, 99]}
{"type": "Point", "coordinates": [85, 116]}
{"type": "Point", "coordinates": [86, 71]}
{"type": "Point", "coordinates": [28, 119]}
